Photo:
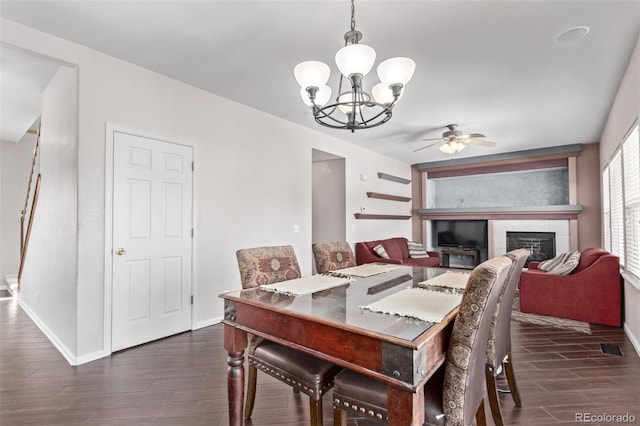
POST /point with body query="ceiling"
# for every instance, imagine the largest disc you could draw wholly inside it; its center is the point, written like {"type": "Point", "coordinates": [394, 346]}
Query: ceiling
{"type": "Point", "coordinates": [493, 67]}
{"type": "Point", "coordinates": [23, 76]}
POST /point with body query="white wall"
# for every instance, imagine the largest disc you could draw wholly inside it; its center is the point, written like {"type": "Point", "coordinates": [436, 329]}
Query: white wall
{"type": "Point", "coordinates": [253, 175]}
{"type": "Point", "coordinates": [51, 259]}
{"type": "Point", "coordinates": [625, 109]}
{"type": "Point", "coordinates": [15, 164]}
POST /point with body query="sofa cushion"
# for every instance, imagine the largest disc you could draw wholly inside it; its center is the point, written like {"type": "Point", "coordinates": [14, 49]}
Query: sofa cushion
{"type": "Point", "coordinates": [380, 251]}
{"type": "Point", "coordinates": [588, 256]}
{"type": "Point", "coordinates": [416, 250]}
{"type": "Point", "coordinates": [562, 264]}
{"type": "Point", "coordinates": [396, 247]}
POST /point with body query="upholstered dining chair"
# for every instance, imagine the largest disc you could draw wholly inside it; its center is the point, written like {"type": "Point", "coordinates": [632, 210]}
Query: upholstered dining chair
{"type": "Point", "coordinates": [499, 357]}
{"type": "Point", "coordinates": [332, 256]}
{"type": "Point", "coordinates": [455, 394]}
{"type": "Point", "coordinates": [305, 373]}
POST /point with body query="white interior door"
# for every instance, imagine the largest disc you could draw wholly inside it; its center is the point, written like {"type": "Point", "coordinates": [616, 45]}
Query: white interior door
{"type": "Point", "coordinates": [152, 235]}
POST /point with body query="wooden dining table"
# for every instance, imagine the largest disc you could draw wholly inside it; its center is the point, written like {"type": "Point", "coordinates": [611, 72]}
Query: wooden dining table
{"type": "Point", "coordinates": [332, 325]}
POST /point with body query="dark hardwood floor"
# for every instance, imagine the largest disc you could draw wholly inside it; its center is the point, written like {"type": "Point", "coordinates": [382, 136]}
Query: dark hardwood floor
{"type": "Point", "coordinates": [181, 380]}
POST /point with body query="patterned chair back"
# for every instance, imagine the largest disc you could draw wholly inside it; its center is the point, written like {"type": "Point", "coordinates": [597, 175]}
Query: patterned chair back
{"type": "Point", "coordinates": [332, 256]}
{"type": "Point", "coordinates": [499, 341]}
{"type": "Point", "coordinates": [267, 265]}
{"type": "Point", "coordinates": [464, 381]}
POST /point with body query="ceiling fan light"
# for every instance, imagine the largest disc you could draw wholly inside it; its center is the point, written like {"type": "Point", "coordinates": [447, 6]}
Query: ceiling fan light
{"type": "Point", "coordinates": [396, 70]}
{"type": "Point", "coordinates": [312, 74]}
{"type": "Point", "coordinates": [322, 96]}
{"type": "Point", "coordinates": [355, 59]}
{"type": "Point", "coordinates": [447, 149]}
{"type": "Point", "coordinates": [451, 147]}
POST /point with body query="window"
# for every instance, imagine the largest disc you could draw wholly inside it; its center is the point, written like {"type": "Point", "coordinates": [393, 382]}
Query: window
{"type": "Point", "coordinates": [606, 209]}
{"type": "Point", "coordinates": [631, 167]}
{"type": "Point", "coordinates": [617, 212]}
{"type": "Point", "coordinates": [621, 203]}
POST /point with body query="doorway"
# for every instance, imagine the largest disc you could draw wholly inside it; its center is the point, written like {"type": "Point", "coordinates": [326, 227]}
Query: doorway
{"type": "Point", "coordinates": [328, 198]}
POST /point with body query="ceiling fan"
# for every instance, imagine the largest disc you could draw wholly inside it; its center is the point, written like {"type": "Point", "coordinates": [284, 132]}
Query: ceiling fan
{"type": "Point", "coordinates": [454, 141]}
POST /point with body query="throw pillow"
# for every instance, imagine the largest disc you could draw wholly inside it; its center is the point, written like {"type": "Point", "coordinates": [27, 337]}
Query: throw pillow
{"type": "Point", "coordinates": [562, 264]}
{"type": "Point", "coordinates": [380, 251]}
{"type": "Point", "coordinates": [416, 251]}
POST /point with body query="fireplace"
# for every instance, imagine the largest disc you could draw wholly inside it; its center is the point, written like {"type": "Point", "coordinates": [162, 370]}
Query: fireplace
{"type": "Point", "coordinates": [541, 245]}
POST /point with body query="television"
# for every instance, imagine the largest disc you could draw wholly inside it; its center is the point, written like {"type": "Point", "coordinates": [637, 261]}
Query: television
{"type": "Point", "coordinates": [461, 233]}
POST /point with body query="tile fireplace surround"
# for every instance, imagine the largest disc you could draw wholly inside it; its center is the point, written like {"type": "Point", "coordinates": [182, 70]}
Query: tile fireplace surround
{"type": "Point", "coordinates": [499, 228]}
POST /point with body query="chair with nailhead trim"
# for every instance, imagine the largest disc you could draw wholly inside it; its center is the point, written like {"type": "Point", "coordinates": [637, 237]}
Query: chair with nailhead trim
{"type": "Point", "coordinates": [305, 373]}
{"type": "Point", "coordinates": [454, 395]}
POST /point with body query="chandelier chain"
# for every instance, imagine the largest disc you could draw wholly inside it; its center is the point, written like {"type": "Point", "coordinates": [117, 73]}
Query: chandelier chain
{"type": "Point", "coordinates": [353, 16]}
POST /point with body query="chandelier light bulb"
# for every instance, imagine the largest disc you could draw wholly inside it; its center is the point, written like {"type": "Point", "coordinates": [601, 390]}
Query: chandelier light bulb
{"type": "Point", "coordinates": [312, 74]}
{"type": "Point", "coordinates": [355, 59]}
{"type": "Point", "coordinates": [396, 70]}
{"type": "Point", "coordinates": [382, 93]}
{"type": "Point", "coordinates": [348, 107]}
{"type": "Point", "coordinates": [322, 96]}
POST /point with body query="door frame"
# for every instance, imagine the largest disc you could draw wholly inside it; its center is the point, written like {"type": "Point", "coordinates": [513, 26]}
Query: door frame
{"type": "Point", "coordinates": [110, 130]}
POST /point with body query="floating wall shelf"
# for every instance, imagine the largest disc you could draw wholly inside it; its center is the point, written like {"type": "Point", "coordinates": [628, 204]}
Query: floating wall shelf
{"type": "Point", "coordinates": [393, 178]}
{"type": "Point", "coordinates": [524, 212]}
{"type": "Point", "coordinates": [381, 216]}
{"type": "Point", "coordinates": [387, 196]}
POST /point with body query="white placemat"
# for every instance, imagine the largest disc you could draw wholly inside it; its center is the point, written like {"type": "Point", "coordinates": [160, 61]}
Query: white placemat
{"type": "Point", "coordinates": [449, 279]}
{"type": "Point", "coordinates": [366, 270]}
{"type": "Point", "coordinates": [426, 305]}
{"type": "Point", "coordinates": [306, 285]}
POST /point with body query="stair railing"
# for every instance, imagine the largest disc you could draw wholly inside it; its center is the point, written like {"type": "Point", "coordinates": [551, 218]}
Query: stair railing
{"type": "Point", "coordinates": [30, 204]}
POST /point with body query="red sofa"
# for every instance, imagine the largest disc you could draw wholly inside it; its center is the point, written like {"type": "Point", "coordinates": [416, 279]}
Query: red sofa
{"type": "Point", "coordinates": [592, 292]}
{"type": "Point", "coordinates": [398, 252]}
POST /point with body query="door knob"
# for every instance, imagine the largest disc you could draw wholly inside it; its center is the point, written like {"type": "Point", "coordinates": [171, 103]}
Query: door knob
{"type": "Point", "coordinates": [120, 251]}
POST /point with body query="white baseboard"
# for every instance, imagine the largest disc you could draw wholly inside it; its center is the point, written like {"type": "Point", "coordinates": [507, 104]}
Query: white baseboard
{"type": "Point", "coordinates": [66, 353]}
{"type": "Point", "coordinates": [83, 359]}
{"type": "Point", "coordinates": [632, 338]}
{"type": "Point", "coordinates": [207, 323]}
{"type": "Point", "coordinates": [10, 283]}
{"type": "Point", "coordinates": [73, 359]}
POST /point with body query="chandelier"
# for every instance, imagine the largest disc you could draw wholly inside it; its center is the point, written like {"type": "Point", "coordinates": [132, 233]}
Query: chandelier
{"type": "Point", "coordinates": [353, 108]}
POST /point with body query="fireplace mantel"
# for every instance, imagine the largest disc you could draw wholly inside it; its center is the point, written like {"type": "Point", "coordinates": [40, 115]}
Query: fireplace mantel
{"type": "Point", "coordinates": [525, 212]}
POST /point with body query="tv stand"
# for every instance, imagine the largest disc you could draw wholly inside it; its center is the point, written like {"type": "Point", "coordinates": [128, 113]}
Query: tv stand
{"type": "Point", "coordinates": [462, 252]}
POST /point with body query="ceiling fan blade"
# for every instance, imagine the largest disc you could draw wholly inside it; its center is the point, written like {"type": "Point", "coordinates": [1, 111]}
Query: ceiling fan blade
{"type": "Point", "coordinates": [426, 146]}
{"type": "Point", "coordinates": [479, 142]}
{"type": "Point", "coordinates": [472, 135]}
{"type": "Point", "coordinates": [431, 139]}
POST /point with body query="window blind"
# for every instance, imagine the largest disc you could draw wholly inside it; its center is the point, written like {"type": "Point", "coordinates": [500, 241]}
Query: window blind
{"type": "Point", "coordinates": [631, 176]}
{"type": "Point", "coordinates": [606, 210]}
{"type": "Point", "coordinates": [617, 206]}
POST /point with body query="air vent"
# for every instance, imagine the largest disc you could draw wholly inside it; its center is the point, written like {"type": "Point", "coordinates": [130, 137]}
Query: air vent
{"type": "Point", "coordinates": [608, 348]}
